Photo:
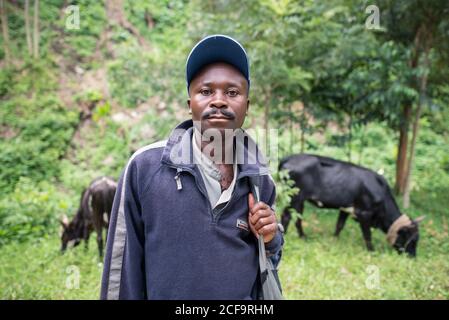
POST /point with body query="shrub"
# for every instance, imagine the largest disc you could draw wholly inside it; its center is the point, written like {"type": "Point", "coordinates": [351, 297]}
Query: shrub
{"type": "Point", "coordinates": [30, 211]}
{"type": "Point", "coordinates": [35, 153]}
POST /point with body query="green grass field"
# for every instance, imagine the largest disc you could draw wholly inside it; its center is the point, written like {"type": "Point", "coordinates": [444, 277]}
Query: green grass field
{"type": "Point", "coordinates": [323, 267]}
{"type": "Point", "coordinates": [320, 267]}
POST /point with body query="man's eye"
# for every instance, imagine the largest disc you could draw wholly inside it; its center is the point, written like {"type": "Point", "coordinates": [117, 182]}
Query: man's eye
{"type": "Point", "coordinates": [233, 93]}
{"type": "Point", "coordinates": [205, 92]}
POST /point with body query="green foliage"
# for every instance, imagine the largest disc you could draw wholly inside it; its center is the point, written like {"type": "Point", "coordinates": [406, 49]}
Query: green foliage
{"type": "Point", "coordinates": [131, 64]}
{"type": "Point", "coordinates": [164, 15]}
{"type": "Point", "coordinates": [285, 191]}
{"type": "Point", "coordinates": [6, 79]}
{"type": "Point", "coordinates": [101, 111]}
{"type": "Point", "coordinates": [90, 96]}
{"type": "Point", "coordinates": [36, 151]}
{"type": "Point", "coordinates": [29, 212]}
{"type": "Point", "coordinates": [81, 43]}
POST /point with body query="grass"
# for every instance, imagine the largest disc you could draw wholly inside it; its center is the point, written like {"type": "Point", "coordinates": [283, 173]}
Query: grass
{"type": "Point", "coordinates": [320, 267]}
{"type": "Point", "coordinates": [323, 267]}
{"type": "Point", "coordinates": [36, 270]}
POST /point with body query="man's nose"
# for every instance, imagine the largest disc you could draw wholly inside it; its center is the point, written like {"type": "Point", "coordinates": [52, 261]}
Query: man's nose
{"type": "Point", "coordinates": [219, 100]}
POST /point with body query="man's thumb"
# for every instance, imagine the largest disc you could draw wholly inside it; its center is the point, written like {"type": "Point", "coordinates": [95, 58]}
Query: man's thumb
{"type": "Point", "coordinates": [250, 201]}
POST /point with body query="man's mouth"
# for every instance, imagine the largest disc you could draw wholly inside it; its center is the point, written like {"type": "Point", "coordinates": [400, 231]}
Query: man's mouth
{"type": "Point", "coordinates": [218, 115]}
{"type": "Point", "coordinates": [215, 117]}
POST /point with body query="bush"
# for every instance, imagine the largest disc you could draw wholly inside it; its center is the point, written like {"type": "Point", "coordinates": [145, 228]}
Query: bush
{"type": "Point", "coordinates": [26, 159]}
{"type": "Point", "coordinates": [30, 211]}
{"type": "Point", "coordinates": [35, 153]}
{"type": "Point", "coordinates": [6, 81]}
{"type": "Point", "coordinates": [285, 191]}
{"type": "Point", "coordinates": [136, 65]}
{"type": "Point", "coordinates": [83, 42]}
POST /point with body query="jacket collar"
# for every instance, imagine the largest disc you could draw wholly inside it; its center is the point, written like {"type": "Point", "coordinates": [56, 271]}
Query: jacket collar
{"type": "Point", "coordinates": [178, 152]}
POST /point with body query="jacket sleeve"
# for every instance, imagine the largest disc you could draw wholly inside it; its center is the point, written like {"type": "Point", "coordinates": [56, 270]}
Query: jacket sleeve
{"type": "Point", "coordinates": [274, 247]}
{"type": "Point", "coordinates": [124, 263]}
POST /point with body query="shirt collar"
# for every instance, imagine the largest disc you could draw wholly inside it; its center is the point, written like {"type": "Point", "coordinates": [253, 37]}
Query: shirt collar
{"type": "Point", "coordinates": [207, 165]}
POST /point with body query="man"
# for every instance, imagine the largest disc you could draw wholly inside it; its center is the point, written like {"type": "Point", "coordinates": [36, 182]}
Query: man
{"type": "Point", "coordinates": [185, 221]}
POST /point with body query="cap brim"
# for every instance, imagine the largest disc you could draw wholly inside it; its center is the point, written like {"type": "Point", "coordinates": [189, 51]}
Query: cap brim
{"type": "Point", "coordinates": [216, 48]}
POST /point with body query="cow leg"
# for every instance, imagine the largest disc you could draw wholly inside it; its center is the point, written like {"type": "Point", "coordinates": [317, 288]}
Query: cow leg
{"type": "Point", "coordinates": [366, 231]}
{"type": "Point", "coordinates": [299, 228]}
{"type": "Point", "coordinates": [86, 237]}
{"type": "Point", "coordinates": [286, 215]}
{"type": "Point", "coordinates": [342, 217]}
{"type": "Point", "coordinates": [285, 219]}
{"type": "Point", "coordinates": [100, 242]}
{"type": "Point", "coordinates": [98, 224]}
{"type": "Point", "coordinates": [299, 206]}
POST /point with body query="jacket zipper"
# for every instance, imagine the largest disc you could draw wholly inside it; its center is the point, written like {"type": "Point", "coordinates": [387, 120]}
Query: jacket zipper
{"type": "Point", "coordinates": [203, 192]}
{"type": "Point", "coordinates": [215, 215]}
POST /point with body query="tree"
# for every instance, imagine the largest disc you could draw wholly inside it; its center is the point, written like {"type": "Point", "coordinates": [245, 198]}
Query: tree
{"type": "Point", "coordinates": [5, 31]}
{"type": "Point", "coordinates": [36, 30]}
{"type": "Point", "coordinates": [419, 25]}
{"type": "Point", "coordinates": [28, 27]}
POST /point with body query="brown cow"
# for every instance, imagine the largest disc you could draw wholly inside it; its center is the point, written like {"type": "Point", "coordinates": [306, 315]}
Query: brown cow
{"type": "Point", "coordinates": [93, 213]}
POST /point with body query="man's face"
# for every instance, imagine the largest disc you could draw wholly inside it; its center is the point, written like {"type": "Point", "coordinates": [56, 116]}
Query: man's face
{"type": "Point", "coordinates": [219, 97]}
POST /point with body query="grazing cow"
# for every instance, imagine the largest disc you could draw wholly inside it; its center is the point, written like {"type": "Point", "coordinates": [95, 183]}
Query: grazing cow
{"type": "Point", "coordinates": [329, 183]}
{"type": "Point", "coordinates": [93, 213]}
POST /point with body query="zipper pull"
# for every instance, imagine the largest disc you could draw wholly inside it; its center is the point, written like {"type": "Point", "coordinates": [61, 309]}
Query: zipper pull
{"type": "Point", "coordinates": [178, 179]}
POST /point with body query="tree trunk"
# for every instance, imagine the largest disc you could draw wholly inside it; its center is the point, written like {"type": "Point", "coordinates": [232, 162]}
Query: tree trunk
{"type": "Point", "coordinates": [266, 116]}
{"type": "Point", "coordinates": [303, 127]}
{"type": "Point", "coordinates": [302, 137]}
{"type": "Point", "coordinates": [422, 97]}
{"type": "Point", "coordinates": [36, 30]}
{"type": "Point", "coordinates": [149, 19]}
{"type": "Point", "coordinates": [408, 178]}
{"type": "Point", "coordinates": [401, 161]}
{"type": "Point", "coordinates": [5, 30]}
{"type": "Point", "coordinates": [27, 27]}
{"type": "Point", "coordinates": [349, 144]}
{"type": "Point", "coordinates": [362, 145]}
{"type": "Point", "coordinates": [290, 125]}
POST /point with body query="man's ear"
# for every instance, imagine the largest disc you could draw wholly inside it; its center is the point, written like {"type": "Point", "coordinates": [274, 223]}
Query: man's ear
{"type": "Point", "coordinates": [247, 106]}
{"type": "Point", "coordinates": [188, 104]}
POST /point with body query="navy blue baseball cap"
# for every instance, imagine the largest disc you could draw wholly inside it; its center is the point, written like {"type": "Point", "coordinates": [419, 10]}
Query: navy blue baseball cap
{"type": "Point", "coordinates": [217, 48]}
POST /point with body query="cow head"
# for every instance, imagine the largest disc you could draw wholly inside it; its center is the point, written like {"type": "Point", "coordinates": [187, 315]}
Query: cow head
{"type": "Point", "coordinates": [407, 238]}
{"type": "Point", "coordinates": [70, 233]}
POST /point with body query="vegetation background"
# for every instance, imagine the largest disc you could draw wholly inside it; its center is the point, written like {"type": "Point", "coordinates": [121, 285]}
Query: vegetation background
{"type": "Point", "coordinates": [83, 84]}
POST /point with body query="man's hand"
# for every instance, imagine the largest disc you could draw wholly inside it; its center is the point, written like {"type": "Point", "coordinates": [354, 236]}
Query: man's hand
{"type": "Point", "coordinates": [262, 219]}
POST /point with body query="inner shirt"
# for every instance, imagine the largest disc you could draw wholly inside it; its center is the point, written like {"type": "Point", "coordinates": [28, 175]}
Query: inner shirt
{"type": "Point", "coordinates": [211, 175]}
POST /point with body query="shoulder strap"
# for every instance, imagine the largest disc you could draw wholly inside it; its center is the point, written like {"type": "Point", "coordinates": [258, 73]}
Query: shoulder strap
{"type": "Point", "coordinates": [270, 285]}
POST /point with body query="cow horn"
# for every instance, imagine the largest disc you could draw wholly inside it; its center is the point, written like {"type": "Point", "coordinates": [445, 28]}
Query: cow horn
{"type": "Point", "coordinates": [419, 219]}
{"type": "Point", "coordinates": [64, 220]}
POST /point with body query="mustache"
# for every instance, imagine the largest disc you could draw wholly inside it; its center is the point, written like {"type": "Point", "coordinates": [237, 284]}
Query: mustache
{"type": "Point", "coordinates": [214, 111]}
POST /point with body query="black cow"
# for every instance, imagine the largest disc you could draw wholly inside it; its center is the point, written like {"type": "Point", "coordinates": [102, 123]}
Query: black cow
{"type": "Point", "coordinates": [329, 183]}
{"type": "Point", "coordinates": [93, 213]}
